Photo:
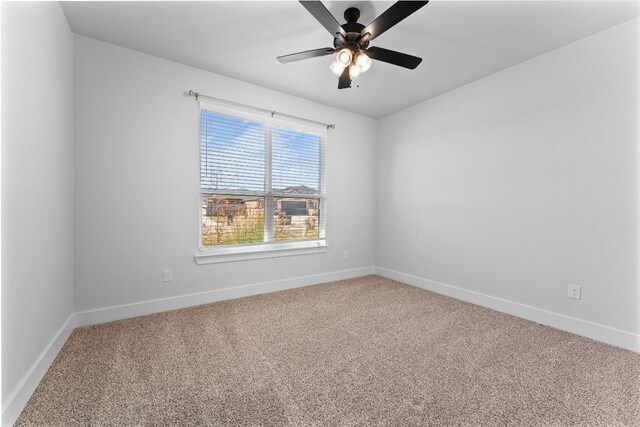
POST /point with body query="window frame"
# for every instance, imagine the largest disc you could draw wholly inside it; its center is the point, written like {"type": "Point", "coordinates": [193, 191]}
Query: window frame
{"type": "Point", "coordinates": [269, 247]}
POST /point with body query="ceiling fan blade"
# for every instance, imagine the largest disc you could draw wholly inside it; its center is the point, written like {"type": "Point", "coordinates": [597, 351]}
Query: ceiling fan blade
{"type": "Point", "coordinates": [393, 57]}
{"type": "Point", "coordinates": [389, 18]}
{"type": "Point", "coordinates": [344, 81]}
{"type": "Point", "coordinates": [322, 14]}
{"type": "Point", "coordinates": [292, 57]}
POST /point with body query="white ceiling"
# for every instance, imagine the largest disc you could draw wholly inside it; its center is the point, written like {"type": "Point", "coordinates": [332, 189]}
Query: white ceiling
{"type": "Point", "coordinates": [459, 41]}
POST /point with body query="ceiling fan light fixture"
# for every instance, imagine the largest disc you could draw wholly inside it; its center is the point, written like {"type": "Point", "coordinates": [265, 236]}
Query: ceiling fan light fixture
{"type": "Point", "coordinates": [362, 61]}
{"type": "Point", "coordinates": [337, 68]}
{"type": "Point", "coordinates": [354, 71]}
{"type": "Point", "coordinates": [344, 57]}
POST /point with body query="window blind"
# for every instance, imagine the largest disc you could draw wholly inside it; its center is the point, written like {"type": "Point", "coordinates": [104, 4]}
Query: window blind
{"type": "Point", "coordinates": [232, 153]}
{"type": "Point", "coordinates": [296, 157]}
{"type": "Point", "coordinates": [261, 181]}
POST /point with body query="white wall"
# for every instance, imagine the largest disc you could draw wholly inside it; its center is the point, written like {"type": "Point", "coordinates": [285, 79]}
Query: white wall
{"type": "Point", "coordinates": [37, 183]}
{"type": "Point", "coordinates": [523, 182]}
{"type": "Point", "coordinates": [137, 180]}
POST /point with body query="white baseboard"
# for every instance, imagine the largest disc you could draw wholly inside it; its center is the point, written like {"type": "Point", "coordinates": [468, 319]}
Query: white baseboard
{"type": "Point", "coordinates": [596, 331]}
{"type": "Point", "coordinates": [14, 403]}
{"type": "Point", "coordinates": [109, 314]}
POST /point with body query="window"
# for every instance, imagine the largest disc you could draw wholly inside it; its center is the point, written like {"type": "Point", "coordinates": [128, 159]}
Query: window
{"type": "Point", "coordinates": [261, 182]}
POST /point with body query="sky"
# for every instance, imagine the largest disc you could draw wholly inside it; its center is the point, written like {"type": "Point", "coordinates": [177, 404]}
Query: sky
{"type": "Point", "coordinates": [233, 154]}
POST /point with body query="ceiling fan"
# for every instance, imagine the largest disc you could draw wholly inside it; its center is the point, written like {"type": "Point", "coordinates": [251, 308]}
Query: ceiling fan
{"type": "Point", "coordinates": [351, 40]}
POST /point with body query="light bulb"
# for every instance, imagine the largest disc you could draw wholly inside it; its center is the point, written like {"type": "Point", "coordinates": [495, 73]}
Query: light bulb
{"type": "Point", "coordinates": [354, 71]}
{"type": "Point", "coordinates": [337, 68]}
{"type": "Point", "coordinates": [344, 57]}
{"type": "Point", "coordinates": [362, 61]}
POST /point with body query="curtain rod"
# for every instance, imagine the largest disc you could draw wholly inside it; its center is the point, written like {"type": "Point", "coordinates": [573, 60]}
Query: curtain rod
{"type": "Point", "coordinates": [197, 95]}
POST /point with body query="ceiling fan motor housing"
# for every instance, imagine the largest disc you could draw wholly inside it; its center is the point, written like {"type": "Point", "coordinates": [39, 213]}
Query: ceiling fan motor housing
{"type": "Point", "coordinates": [353, 30]}
{"type": "Point", "coordinates": [352, 14]}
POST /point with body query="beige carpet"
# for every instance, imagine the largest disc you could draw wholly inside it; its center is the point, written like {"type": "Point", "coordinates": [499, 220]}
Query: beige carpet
{"type": "Point", "coordinates": [366, 351]}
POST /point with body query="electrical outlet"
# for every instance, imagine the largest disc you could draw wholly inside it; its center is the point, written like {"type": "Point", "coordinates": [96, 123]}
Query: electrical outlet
{"type": "Point", "coordinates": [574, 291]}
{"type": "Point", "coordinates": [346, 255]}
{"type": "Point", "coordinates": [168, 276]}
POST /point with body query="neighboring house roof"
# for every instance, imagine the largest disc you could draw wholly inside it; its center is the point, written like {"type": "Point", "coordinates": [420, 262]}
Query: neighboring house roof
{"type": "Point", "coordinates": [298, 189]}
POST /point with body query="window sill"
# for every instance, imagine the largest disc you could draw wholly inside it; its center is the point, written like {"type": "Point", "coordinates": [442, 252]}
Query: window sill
{"type": "Point", "coordinates": [273, 250]}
